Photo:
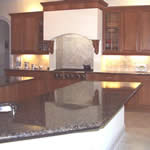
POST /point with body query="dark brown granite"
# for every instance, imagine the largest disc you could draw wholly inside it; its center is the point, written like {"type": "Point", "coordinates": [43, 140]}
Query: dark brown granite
{"type": "Point", "coordinates": [123, 72]}
{"type": "Point", "coordinates": [85, 105]}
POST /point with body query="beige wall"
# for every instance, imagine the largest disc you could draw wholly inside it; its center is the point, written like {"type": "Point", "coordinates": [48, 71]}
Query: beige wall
{"type": "Point", "coordinates": [38, 60]}
{"type": "Point", "coordinates": [13, 6]}
{"type": "Point", "coordinates": [124, 63]}
{"type": "Point", "coordinates": [127, 2]}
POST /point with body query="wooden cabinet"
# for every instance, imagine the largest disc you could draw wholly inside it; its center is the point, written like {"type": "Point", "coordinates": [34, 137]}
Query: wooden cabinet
{"type": "Point", "coordinates": [145, 31]}
{"type": "Point", "coordinates": [112, 30]}
{"type": "Point", "coordinates": [140, 99]}
{"type": "Point", "coordinates": [130, 31]}
{"type": "Point", "coordinates": [133, 30]}
{"type": "Point", "coordinates": [16, 33]}
{"type": "Point", "coordinates": [27, 33]}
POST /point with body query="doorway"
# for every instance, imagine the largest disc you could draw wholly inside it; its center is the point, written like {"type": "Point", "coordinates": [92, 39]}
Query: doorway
{"type": "Point", "coordinates": [4, 47]}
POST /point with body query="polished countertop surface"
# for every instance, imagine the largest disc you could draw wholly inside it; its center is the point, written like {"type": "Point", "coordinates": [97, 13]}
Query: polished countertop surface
{"type": "Point", "coordinates": [85, 105]}
{"type": "Point", "coordinates": [100, 72]}
{"type": "Point", "coordinates": [124, 72]}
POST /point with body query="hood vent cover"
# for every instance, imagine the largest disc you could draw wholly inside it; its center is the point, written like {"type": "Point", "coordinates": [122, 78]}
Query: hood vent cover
{"type": "Point", "coordinates": [73, 4]}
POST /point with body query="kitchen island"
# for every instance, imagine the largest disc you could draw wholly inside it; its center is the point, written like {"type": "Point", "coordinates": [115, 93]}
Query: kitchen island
{"type": "Point", "coordinates": [83, 115]}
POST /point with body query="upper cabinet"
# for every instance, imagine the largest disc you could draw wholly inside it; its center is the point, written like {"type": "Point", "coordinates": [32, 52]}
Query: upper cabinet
{"type": "Point", "coordinates": [112, 31]}
{"type": "Point", "coordinates": [145, 31]}
{"type": "Point", "coordinates": [27, 33]}
{"type": "Point", "coordinates": [129, 32]}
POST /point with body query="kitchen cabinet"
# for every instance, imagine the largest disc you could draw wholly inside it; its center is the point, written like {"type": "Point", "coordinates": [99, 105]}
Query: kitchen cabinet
{"type": "Point", "coordinates": [112, 30]}
{"type": "Point", "coordinates": [27, 33]}
{"type": "Point", "coordinates": [140, 99]}
{"type": "Point", "coordinates": [144, 31]}
{"type": "Point", "coordinates": [23, 89]}
{"type": "Point", "coordinates": [38, 74]}
{"type": "Point", "coordinates": [133, 30]}
{"type": "Point", "coordinates": [130, 31]}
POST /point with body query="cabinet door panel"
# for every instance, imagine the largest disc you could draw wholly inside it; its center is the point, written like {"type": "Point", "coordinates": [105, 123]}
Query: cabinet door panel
{"type": "Point", "coordinates": [145, 94]}
{"type": "Point", "coordinates": [27, 32]}
{"type": "Point", "coordinates": [17, 29]}
{"type": "Point", "coordinates": [145, 31]}
{"type": "Point", "coordinates": [130, 31]}
{"type": "Point", "coordinates": [112, 31]}
{"type": "Point", "coordinates": [31, 41]}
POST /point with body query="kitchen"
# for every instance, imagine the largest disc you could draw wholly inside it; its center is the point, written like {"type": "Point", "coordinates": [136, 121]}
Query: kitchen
{"type": "Point", "coordinates": [124, 64]}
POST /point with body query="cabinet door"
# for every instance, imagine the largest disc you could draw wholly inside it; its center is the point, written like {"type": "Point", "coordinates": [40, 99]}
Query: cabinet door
{"type": "Point", "coordinates": [112, 31]}
{"type": "Point", "coordinates": [27, 32]}
{"type": "Point", "coordinates": [32, 32]}
{"type": "Point", "coordinates": [131, 32]}
{"type": "Point", "coordinates": [17, 31]}
{"type": "Point", "coordinates": [145, 94]}
{"type": "Point", "coordinates": [145, 32]}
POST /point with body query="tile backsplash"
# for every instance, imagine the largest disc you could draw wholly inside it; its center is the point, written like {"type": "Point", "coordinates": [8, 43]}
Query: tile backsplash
{"type": "Point", "coordinates": [124, 63]}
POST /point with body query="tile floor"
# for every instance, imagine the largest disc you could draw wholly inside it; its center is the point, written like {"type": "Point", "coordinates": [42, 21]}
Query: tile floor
{"type": "Point", "coordinates": [137, 134]}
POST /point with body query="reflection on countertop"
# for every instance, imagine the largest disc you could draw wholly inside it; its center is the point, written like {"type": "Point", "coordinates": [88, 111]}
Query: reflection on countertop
{"type": "Point", "coordinates": [81, 106]}
{"type": "Point", "coordinates": [120, 84]}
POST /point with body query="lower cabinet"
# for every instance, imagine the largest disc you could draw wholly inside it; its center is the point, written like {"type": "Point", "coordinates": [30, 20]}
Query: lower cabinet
{"type": "Point", "coordinates": [141, 99]}
{"type": "Point", "coordinates": [23, 89]}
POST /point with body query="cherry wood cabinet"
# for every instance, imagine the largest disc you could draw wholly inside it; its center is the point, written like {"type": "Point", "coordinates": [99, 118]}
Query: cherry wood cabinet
{"type": "Point", "coordinates": [145, 31]}
{"type": "Point", "coordinates": [130, 31]}
{"type": "Point", "coordinates": [23, 89]}
{"type": "Point", "coordinates": [27, 33]}
{"type": "Point", "coordinates": [133, 30]}
{"type": "Point", "coordinates": [140, 99]}
{"type": "Point", "coordinates": [112, 30]}
{"type": "Point", "coordinates": [38, 74]}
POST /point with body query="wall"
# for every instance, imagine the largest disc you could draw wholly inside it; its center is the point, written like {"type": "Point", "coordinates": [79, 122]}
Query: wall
{"type": "Point", "coordinates": [38, 60]}
{"type": "Point", "coordinates": [4, 50]}
{"type": "Point", "coordinates": [127, 2]}
{"type": "Point", "coordinates": [124, 63]}
{"type": "Point", "coordinates": [14, 6]}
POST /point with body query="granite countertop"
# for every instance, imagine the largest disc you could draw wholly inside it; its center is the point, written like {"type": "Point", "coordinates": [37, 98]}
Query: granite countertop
{"type": "Point", "coordinates": [124, 72]}
{"type": "Point", "coordinates": [7, 80]}
{"type": "Point", "coordinates": [102, 72]}
{"type": "Point", "coordinates": [36, 70]}
{"type": "Point", "coordinates": [85, 105]}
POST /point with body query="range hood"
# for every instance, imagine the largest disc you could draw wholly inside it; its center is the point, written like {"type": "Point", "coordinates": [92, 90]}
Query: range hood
{"type": "Point", "coordinates": [81, 17]}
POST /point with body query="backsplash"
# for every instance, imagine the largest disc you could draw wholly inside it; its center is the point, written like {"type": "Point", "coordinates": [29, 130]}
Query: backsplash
{"type": "Point", "coordinates": [73, 50]}
{"type": "Point", "coordinates": [124, 63]}
{"type": "Point", "coordinates": [40, 62]}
